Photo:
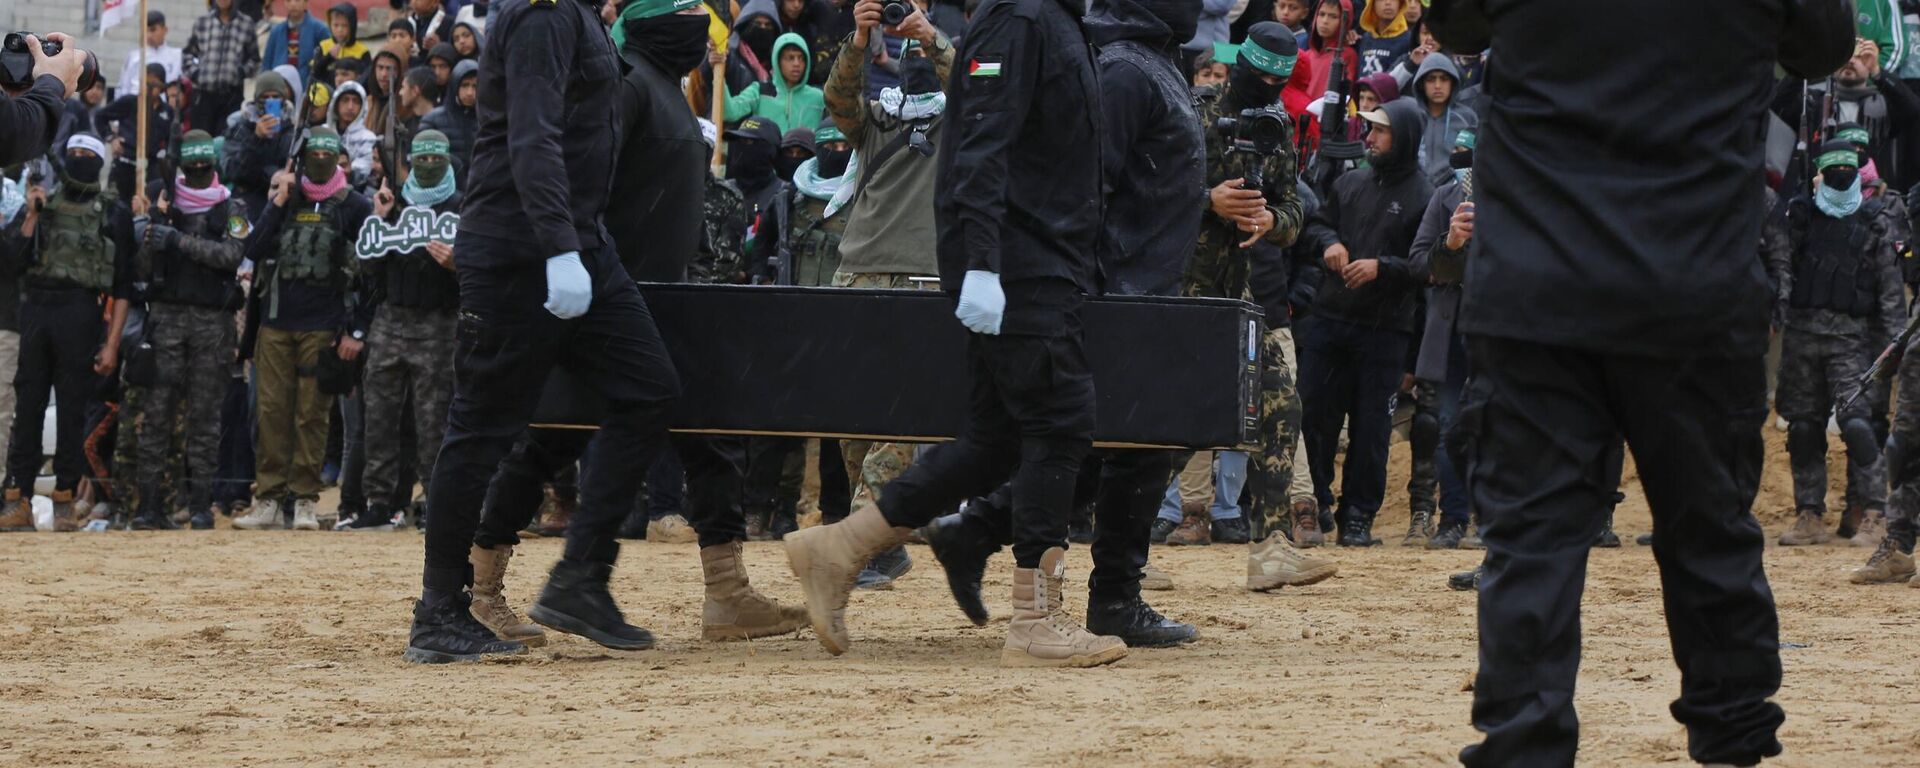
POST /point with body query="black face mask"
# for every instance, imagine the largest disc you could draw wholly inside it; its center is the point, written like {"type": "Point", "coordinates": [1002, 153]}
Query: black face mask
{"type": "Point", "coordinates": [758, 40]}
{"type": "Point", "coordinates": [750, 163]}
{"type": "Point", "coordinates": [198, 176]}
{"type": "Point", "coordinates": [1839, 179]}
{"type": "Point", "coordinates": [917, 76]}
{"type": "Point", "coordinates": [1248, 90]}
{"type": "Point", "coordinates": [84, 171]}
{"type": "Point", "coordinates": [786, 164]}
{"type": "Point", "coordinates": [834, 162]}
{"type": "Point", "coordinates": [677, 43]}
{"type": "Point", "coordinates": [1181, 16]}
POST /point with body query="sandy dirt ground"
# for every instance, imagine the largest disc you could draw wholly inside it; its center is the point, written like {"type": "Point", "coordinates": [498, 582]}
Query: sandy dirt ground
{"type": "Point", "coordinates": [283, 648]}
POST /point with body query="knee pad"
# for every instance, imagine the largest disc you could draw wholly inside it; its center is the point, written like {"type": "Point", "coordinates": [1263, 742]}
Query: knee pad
{"type": "Point", "coordinates": [1898, 453]}
{"type": "Point", "coordinates": [1862, 445]}
{"type": "Point", "coordinates": [1806, 439]}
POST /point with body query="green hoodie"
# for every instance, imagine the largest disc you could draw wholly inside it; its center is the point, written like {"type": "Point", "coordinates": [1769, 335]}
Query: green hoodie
{"type": "Point", "coordinates": [790, 106]}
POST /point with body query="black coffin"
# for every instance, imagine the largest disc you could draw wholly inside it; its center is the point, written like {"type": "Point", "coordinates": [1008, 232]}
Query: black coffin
{"type": "Point", "coordinates": [832, 362]}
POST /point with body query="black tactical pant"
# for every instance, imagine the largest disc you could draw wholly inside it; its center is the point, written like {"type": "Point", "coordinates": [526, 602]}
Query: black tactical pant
{"type": "Point", "coordinates": [1125, 487]}
{"type": "Point", "coordinates": [1903, 456]}
{"type": "Point", "coordinates": [1030, 417]}
{"type": "Point", "coordinates": [60, 332]}
{"type": "Point", "coordinates": [712, 466]}
{"type": "Point", "coordinates": [776, 471]}
{"type": "Point", "coordinates": [1538, 422]}
{"type": "Point", "coordinates": [506, 345]}
{"type": "Point", "coordinates": [1819, 373]}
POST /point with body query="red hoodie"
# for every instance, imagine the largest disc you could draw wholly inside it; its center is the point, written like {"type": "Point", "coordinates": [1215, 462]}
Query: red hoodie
{"type": "Point", "coordinates": [1309, 81]}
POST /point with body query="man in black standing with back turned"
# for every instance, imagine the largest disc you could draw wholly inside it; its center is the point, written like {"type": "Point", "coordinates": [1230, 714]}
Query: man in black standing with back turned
{"type": "Point", "coordinates": [1018, 210]}
{"type": "Point", "coordinates": [1612, 289]}
{"type": "Point", "coordinates": [540, 286]}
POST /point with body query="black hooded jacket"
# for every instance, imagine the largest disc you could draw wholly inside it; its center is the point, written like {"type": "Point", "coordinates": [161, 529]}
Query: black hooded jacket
{"type": "Point", "coordinates": [1152, 153]}
{"type": "Point", "coordinates": [1375, 212]}
{"type": "Point", "coordinates": [659, 178]}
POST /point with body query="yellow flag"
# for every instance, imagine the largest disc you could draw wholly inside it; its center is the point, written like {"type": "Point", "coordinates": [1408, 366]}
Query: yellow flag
{"type": "Point", "coordinates": [717, 31]}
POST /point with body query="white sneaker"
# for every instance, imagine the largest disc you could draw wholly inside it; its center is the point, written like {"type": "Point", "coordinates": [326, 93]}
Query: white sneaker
{"type": "Point", "coordinates": [306, 515]}
{"type": "Point", "coordinates": [264, 516]}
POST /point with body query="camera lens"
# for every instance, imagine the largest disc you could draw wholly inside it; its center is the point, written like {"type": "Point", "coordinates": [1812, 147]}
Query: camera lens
{"type": "Point", "coordinates": [892, 14]}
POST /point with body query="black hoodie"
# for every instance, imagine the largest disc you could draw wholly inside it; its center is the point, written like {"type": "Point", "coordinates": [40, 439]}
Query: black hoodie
{"type": "Point", "coordinates": [1375, 212]}
{"type": "Point", "coordinates": [1151, 148]}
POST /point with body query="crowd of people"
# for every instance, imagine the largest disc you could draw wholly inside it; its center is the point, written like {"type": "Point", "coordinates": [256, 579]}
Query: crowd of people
{"type": "Point", "coordinates": [177, 398]}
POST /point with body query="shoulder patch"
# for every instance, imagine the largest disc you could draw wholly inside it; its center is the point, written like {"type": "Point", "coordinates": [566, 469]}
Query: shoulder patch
{"type": "Point", "coordinates": [237, 227]}
{"type": "Point", "coordinates": [983, 66]}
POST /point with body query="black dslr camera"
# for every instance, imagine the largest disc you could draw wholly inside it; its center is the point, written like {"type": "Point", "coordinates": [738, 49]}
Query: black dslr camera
{"type": "Point", "coordinates": [1261, 131]}
{"type": "Point", "coordinates": [894, 12]}
{"type": "Point", "coordinates": [16, 62]}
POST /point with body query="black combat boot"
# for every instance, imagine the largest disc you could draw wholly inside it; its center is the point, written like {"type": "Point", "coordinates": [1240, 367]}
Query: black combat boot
{"type": "Point", "coordinates": [962, 543]}
{"type": "Point", "coordinates": [444, 631]}
{"type": "Point", "coordinates": [1356, 528]}
{"type": "Point", "coordinates": [576, 601]}
{"type": "Point", "coordinates": [1607, 538]}
{"type": "Point", "coordinates": [150, 518]}
{"type": "Point", "coordinates": [1136, 623]}
{"type": "Point", "coordinates": [1467, 581]}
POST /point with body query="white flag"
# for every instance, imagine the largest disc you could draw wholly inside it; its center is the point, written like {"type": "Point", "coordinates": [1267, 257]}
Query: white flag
{"type": "Point", "coordinates": [115, 11]}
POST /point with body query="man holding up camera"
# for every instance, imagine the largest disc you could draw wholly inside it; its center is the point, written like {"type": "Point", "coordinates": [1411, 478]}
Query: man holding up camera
{"type": "Point", "coordinates": [31, 106]}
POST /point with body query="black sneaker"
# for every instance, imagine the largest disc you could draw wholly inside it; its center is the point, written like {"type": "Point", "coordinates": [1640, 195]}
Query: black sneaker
{"type": "Point", "coordinates": [634, 528]}
{"type": "Point", "coordinates": [1136, 623]}
{"type": "Point", "coordinates": [1231, 531]}
{"type": "Point", "coordinates": [201, 520]}
{"type": "Point", "coordinates": [1162, 527]}
{"type": "Point", "coordinates": [1645, 540]}
{"type": "Point", "coordinates": [963, 545]}
{"type": "Point", "coordinates": [1466, 581]}
{"type": "Point", "coordinates": [152, 519]}
{"type": "Point", "coordinates": [893, 563]}
{"type": "Point", "coordinates": [576, 601]}
{"type": "Point", "coordinates": [1356, 530]}
{"type": "Point", "coordinates": [374, 519]}
{"type": "Point", "coordinates": [1448, 537]}
{"type": "Point", "coordinates": [445, 631]}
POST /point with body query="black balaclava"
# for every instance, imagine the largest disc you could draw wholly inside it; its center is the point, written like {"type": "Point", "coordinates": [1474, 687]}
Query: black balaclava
{"type": "Point", "coordinates": [785, 164]}
{"type": "Point", "coordinates": [760, 41]}
{"type": "Point", "coordinates": [1840, 178]}
{"type": "Point", "coordinates": [1180, 16]}
{"type": "Point", "coordinates": [917, 76]}
{"type": "Point", "coordinates": [675, 42]}
{"type": "Point", "coordinates": [1245, 88]}
{"type": "Point", "coordinates": [82, 173]}
{"type": "Point", "coordinates": [750, 163]}
{"type": "Point", "coordinates": [833, 162]}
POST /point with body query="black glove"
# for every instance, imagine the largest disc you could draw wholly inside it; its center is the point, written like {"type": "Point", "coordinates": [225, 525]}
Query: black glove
{"type": "Point", "coordinates": [163, 237]}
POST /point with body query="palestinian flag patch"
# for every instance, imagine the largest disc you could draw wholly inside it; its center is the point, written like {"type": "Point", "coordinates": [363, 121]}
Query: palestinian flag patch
{"type": "Point", "coordinates": [978, 68]}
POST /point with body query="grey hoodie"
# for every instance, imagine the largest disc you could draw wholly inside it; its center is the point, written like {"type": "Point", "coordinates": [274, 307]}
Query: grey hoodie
{"type": "Point", "coordinates": [357, 139]}
{"type": "Point", "coordinates": [1437, 143]}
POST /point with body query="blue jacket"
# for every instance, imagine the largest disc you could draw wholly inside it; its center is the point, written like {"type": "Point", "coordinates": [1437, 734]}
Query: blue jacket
{"type": "Point", "coordinates": [312, 31]}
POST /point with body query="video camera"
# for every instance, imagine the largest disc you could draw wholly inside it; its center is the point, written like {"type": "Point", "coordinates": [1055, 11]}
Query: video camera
{"type": "Point", "coordinates": [894, 12]}
{"type": "Point", "coordinates": [16, 62]}
{"type": "Point", "coordinates": [1260, 131]}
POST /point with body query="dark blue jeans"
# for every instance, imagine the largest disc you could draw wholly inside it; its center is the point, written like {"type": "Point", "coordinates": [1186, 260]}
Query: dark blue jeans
{"type": "Point", "coordinates": [1454, 504]}
{"type": "Point", "coordinates": [1351, 373]}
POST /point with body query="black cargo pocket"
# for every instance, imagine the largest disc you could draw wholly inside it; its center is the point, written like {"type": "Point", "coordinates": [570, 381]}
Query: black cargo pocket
{"type": "Point", "coordinates": [489, 359]}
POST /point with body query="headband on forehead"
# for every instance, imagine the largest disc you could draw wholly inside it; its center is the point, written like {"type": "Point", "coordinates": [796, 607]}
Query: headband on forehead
{"type": "Point", "coordinates": [86, 142]}
{"type": "Point", "coordinates": [426, 146]}
{"type": "Point", "coordinates": [1837, 157]}
{"type": "Point", "coordinates": [321, 142]}
{"type": "Point", "coordinates": [1854, 135]}
{"type": "Point", "coordinates": [1265, 60]}
{"type": "Point", "coordinates": [196, 150]}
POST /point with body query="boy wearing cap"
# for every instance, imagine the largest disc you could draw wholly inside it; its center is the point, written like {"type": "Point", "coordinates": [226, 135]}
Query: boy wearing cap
{"type": "Point", "coordinates": [79, 249]}
{"type": "Point", "coordinates": [1839, 290]}
{"type": "Point", "coordinates": [191, 234]}
{"type": "Point", "coordinates": [303, 252]}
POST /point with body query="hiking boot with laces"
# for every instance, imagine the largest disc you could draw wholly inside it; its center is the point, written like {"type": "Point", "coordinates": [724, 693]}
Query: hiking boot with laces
{"type": "Point", "coordinates": [1274, 563]}
{"type": "Point", "coordinates": [444, 631]}
{"type": "Point", "coordinates": [1873, 529]}
{"type": "Point", "coordinates": [1136, 623]}
{"type": "Point", "coordinates": [733, 609]}
{"type": "Point", "coordinates": [1040, 633]}
{"type": "Point", "coordinates": [489, 603]}
{"type": "Point", "coordinates": [671, 529]}
{"type": "Point", "coordinates": [1156, 580]}
{"type": "Point", "coordinates": [1161, 527]}
{"type": "Point", "coordinates": [1448, 537]}
{"type": "Point", "coordinates": [17, 514]}
{"type": "Point", "coordinates": [1194, 529]}
{"type": "Point", "coordinates": [263, 516]}
{"type": "Point", "coordinates": [1807, 530]}
{"type": "Point", "coordinates": [1419, 529]}
{"type": "Point", "coordinates": [1888, 565]}
{"type": "Point", "coordinates": [558, 513]}
{"type": "Point", "coordinates": [306, 515]}
{"type": "Point", "coordinates": [576, 601]}
{"type": "Point", "coordinates": [67, 515]}
{"type": "Point", "coordinates": [1307, 532]}
{"type": "Point", "coordinates": [1232, 530]}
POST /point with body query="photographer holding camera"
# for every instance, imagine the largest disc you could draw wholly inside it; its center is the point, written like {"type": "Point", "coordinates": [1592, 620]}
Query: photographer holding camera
{"type": "Point", "coordinates": [37, 77]}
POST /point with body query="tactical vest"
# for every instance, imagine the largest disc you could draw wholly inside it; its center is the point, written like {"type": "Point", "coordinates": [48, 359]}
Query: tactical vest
{"type": "Point", "coordinates": [177, 279]}
{"type": "Point", "coordinates": [416, 281]}
{"type": "Point", "coordinates": [1833, 265]}
{"type": "Point", "coordinates": [723, 220]}
{"type": "Point", "coordinates": [813, 242]}
{"type": "Point", "coordinates": [74, 251]}
{"type": "Point", "coordinates": [308, 238]}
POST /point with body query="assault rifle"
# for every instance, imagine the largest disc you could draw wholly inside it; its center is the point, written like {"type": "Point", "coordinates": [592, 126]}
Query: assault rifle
{"type": "Point", "coordinates": [1889, 360]}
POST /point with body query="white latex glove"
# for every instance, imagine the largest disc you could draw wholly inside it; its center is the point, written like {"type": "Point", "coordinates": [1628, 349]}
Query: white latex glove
{"type": "Point", "coordinates": [569, 287]}
{"type": "Point", "coordinates": [982, 303]}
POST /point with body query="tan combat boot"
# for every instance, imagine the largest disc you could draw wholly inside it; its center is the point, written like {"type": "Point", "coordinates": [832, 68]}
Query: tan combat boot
{"type": "Point", "coordinates": [1888, 565]}
{"type": "Point", "coordinates": [827, 559]}
{"type": "Point", "coordinates": [17, 514]}
{"type": "Point", "coordinates": [1155, 579]}
{"type": "Point", "coordinates": [67, 516]}
{"type": "Point", "coordinates": [1872, 529]}
{"type": "Point", "coordinates": [1041, 634]}
{"type": "Point", "coordinates": [1196, 528]}
{"type": "Point", "coordinates": [489, 605]}
{"type": "Point", "coordinates": [733, 610]}
{"type": "Point", "coordinates": [1274, 563]}
{"type": "Point", "coordinates": [1807, 529]}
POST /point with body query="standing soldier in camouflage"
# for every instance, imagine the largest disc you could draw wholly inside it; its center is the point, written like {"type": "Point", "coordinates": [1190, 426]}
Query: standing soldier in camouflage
{"type": "Point", "coordinates": [1892, 559]}
{"type": "Point", "coordinates": [1237, 226]}
{"type": "Point", "coordinates": [1863, 527]}
{"type": "Point", "coordinates": [191, 241]}
{"type": "Point", "coordinates": [303, 245]}
{"type": "Point", "coordinates": [888, 243]}
{"type": "Point", "coordinates": [1839, 290]}
{"type": "Point", "coordinates": [405, 309]}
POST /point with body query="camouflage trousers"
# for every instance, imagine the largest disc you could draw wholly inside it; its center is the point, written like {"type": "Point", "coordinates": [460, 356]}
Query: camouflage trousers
{"type": "Point", "coordinates": [409, 354]}
{"type": "Point", "coordinates": [1818, 374]}
{"type": "Point", "coordinates": [1903, 456]}
{"type": "Point", "coordinates": [871, 465]}
{"type": "Point", "coordinates": [1270, 471]}
{"type": "Point", "coordinates": [193, 349]}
